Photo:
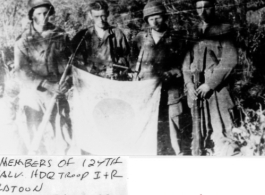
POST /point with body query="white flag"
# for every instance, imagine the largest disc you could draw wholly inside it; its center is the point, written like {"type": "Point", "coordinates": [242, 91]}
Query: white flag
{"type": "Point", "coordinates": [115, 117]}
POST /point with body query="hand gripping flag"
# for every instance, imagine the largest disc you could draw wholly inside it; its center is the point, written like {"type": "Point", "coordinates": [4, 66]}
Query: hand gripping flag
{"type": "Point", "coordinates": [115, 117]}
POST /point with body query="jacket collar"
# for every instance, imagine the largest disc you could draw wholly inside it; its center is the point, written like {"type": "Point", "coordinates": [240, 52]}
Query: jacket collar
{"type": "Point", "coordinates": [213, 29]}
{"type": "Point", "coordinates": [31, 33]}
{"type": "Point", "coordinates": [108, 33]}
{"type": "Point", "coordinates": [150, 37]}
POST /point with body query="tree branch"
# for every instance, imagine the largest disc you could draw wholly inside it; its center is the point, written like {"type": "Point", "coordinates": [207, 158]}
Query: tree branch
{"type": "Point", "coordinates": [255, 6]}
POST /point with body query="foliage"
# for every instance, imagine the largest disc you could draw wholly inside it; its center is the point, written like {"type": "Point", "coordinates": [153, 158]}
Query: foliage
{"type": "Point", "coordinates": [249, 77]}
{"type": "Point", "coordinates": [127, 14]}
{"type": "Point", "coordinates": [250, 136]}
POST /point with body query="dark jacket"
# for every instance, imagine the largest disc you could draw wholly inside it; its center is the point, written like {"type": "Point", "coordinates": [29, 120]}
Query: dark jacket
{"type": "Point", "coordinates": [155, 59]}
{"type": "Point", "coordinates": [40, 57]}
{"type": "Point", "coordinates": [96, 54]}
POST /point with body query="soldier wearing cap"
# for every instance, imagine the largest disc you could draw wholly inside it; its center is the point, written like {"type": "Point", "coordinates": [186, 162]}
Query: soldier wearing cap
{"type": "Point", "coordinates": [41, 54]}
{"type": "Point", "coordinates": [158, 52]}
{"type": "Point", "coordinates": [214, 55]}
{"type": "Point", "coordinates": [103, 48]}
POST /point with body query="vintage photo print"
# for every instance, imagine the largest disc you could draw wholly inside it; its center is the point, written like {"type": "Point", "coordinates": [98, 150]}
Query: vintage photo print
{"type": "Point", "coordinates": [135, 77]}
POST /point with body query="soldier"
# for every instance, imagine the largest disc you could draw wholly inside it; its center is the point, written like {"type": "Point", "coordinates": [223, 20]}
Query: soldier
{"type": "Point", "coordinates": [103, 48]}
{"type": "Point", "coordinates": [40, 58]}
{"type": "Point", "coordinates": [158, 51]}
{"type": "Point", "coordinates": [214, 56]}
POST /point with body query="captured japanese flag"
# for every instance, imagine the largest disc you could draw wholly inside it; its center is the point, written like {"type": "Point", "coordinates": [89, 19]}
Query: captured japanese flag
{"type": "Point", "coordinates": [115, 117]}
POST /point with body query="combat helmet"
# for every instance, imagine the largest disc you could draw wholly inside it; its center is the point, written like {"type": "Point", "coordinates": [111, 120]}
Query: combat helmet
{"type": "Point", "coordinates": [153, 8]}
{"type": "Point", "coordinates": [32, 4]}
{"type": "Point", "coordinates": [211, 1]}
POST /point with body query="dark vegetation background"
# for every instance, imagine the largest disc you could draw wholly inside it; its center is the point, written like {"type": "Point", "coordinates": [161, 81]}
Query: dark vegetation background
{"type": "Point", "coordinates": [247, 17]}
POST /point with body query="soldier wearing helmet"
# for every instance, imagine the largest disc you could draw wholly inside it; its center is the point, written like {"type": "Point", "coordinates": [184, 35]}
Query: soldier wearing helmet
{"type": "Point", "coordinates": [104, 48]}
{"type": "Point", "coordinates": [41, 53]}
{"type": "Point", "coordinates": [40, 3]}
{"type": "Point", "coordinates": [214, 55]}
{"type": "Point", "coordinates": [158, 52]}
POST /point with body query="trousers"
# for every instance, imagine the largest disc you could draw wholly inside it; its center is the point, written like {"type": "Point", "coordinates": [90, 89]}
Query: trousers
{"type": "Point", "coordinates": [57, 136]}
{"type": "Point", "coordinates": [174, 112]}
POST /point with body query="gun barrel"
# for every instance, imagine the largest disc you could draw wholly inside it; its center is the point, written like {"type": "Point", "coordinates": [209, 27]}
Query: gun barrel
{"type": "Point", "coordinates": [196, 119]}
{"type": "Point", "coordinates": [119, 66]}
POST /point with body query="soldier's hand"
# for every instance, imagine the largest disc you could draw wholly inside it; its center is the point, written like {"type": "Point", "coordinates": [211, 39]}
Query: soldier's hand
{"type": "Point", "coordinates": [52, 87]}
{"type": "Point", "coordinates": [109, 71]}
{"type": "Point", "coordinates": [176, 73]}
{"type": "Point", "coordinates": [192, 92]}
{"type": "Point", "coordinates": [203, 90]}
{"type": "Point", "coordinates": [55, 88]}
{"type": "Point", "coordinates": [172, 73]}
{"type": "Point", "coordinates": [64, 87]}
{"type": "Point", "coordinates": [166, 75]}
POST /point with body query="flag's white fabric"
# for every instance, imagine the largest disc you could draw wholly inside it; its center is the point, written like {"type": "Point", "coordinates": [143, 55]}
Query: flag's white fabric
{"type": "Point", "coordinates": [115, 117]}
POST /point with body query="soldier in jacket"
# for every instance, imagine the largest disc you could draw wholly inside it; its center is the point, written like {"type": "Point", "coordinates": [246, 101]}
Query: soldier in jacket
{"type": "Point", "coordinates": [40, 58]}
{"type": "Point", "coordinates": [214, 55]}
{"type": "Point", "coordinates": [158, 51]}
{"type": "Point", "coordinates": [103, 48]}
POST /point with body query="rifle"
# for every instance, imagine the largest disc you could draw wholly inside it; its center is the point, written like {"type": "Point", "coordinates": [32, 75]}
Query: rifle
{"type": "Point", "coordinates": [196, 121]}
{"type": "Point", "coordinates": [122, 72]}
{"type": "Point", "coordinates": [235, 115]}
{"type": "Point", "coordinates": [138, 65]}
{"type": "Point", "coordinates": [47, 115]}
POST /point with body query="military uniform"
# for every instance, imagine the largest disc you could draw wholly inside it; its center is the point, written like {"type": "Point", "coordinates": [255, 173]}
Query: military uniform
{"type": "Point", "coordinates": [213, 53]}
{"type": "Point", "coordinates": [40, 57]}
{"type": "Point", "coordinates": [97, 55]}
{"type": "Point", "coordinates": [157, 58]}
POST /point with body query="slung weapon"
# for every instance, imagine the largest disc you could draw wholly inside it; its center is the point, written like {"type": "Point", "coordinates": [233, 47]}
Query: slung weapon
{"type": "Point", "coordinates": [47, 115]}
{"type": "Point", "coordinates": [196, 121]}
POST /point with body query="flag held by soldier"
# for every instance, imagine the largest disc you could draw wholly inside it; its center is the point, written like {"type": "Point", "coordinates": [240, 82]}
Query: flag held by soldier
{"type": "Point", "coordinates": [113, 117]}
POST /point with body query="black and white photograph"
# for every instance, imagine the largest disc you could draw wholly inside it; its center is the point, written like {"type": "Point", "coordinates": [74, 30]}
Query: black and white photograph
{"type": "Point", "coordinates": [132, 77]}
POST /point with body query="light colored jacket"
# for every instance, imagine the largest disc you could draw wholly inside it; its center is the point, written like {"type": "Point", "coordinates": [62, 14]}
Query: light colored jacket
{"type": "Point", "coordinates": [214, 54]}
